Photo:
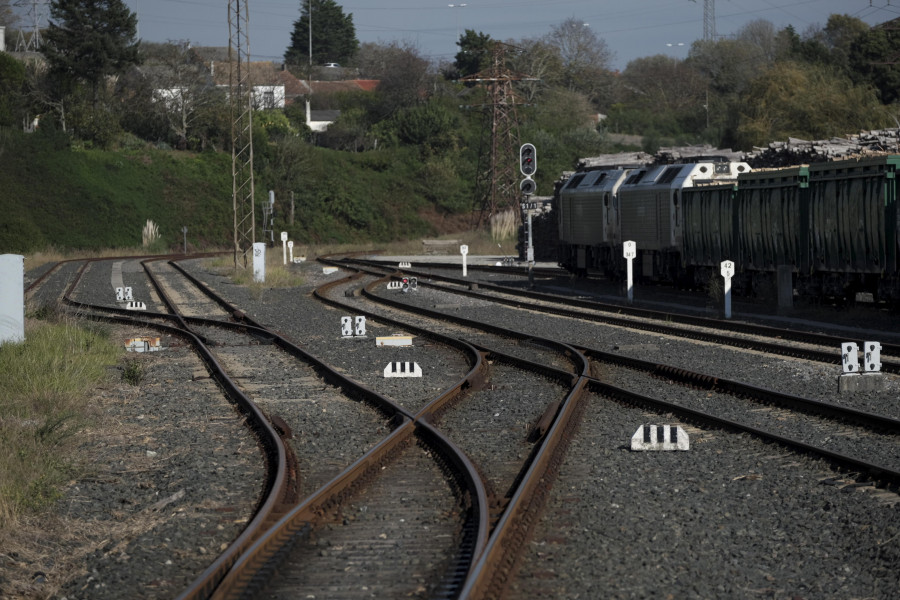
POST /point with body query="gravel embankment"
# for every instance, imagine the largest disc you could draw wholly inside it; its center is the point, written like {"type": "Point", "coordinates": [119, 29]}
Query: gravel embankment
{"type": "Point", "coordinates": [732, 518]}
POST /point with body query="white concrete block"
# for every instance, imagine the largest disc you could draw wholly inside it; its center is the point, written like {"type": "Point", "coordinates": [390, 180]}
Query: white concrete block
{"type": "Point", "coordinates": [394, 340]}
{"type": "Point", "coordinates": [12, 298]}
{"type": "Point", "coordinates": [360, 328]}
{"type": "Point", "coordinates": [660, 437]}
{"type": "Point", "coordinates": [259, 262]}
{"type": "Point", "coordinates": [403, 369]}
{"type": "Point", "coordinates": [133, 305]}
{"type": "Point", "coordinates": [329, 270]}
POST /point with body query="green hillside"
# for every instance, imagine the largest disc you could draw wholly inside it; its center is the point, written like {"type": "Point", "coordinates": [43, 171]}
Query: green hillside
{"type": "Point", "coordinates": [53, 195]}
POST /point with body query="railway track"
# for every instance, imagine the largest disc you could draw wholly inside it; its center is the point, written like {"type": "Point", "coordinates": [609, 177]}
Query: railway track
{"type": "Point", "coordinates": [487, 501]}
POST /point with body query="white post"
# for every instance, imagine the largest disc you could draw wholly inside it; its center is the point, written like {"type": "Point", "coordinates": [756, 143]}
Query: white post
{"type": "Point", "coordinates": [259, 262]}
{"type": "Point", "coordinates": [464, 249]}
{"type": "Point", "coordinates": [12, 298]}
{"type": "Point", "coordinates": [727, 273]}
{"type": "Point", "coordinates": [284, 237]}
{"type": "Point", "coordinates": [291, 251]}
{"type": "Point", "coordinates": [629, 250]}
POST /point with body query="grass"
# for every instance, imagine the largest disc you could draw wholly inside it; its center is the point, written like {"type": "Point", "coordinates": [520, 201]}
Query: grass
{"type": "Point", "coordinates": [43, 404]}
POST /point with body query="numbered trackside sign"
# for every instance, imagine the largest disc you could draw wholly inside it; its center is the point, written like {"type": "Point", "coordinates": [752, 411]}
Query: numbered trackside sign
{"type": "Point", "coordinates": [872, 357]}
{"type": "Point", "coordinates": [629, 250]}
{"type": "Point", "coordinates": [659, 437]}
{"type": "Point", "coordinates": [351, 326]}
{"type": "Point", "coordinates": [403, 369]}
{"type": "Point", "coordinates": [850, 357]}
{"type": "Point", "coordinates": [347, 326]}
{"type": "Point", "coordinates": [727, 268]}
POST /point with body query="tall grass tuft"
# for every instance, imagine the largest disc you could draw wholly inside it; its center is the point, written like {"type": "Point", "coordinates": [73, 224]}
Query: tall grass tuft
{"type": "Point", "coordinates": [504, 225]}
{"type": "Point", "coordinates": [43, 403]}
{"type": "Point", "coordinates": [149, 234]}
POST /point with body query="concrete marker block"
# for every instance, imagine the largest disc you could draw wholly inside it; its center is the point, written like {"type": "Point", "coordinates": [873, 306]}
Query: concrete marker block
{"type": "Point", "coordinates": [659, 438]}
{"type": "Point", "coordinates": [403, 369]}
{"type": "Point", "coordinates": [394, 340]}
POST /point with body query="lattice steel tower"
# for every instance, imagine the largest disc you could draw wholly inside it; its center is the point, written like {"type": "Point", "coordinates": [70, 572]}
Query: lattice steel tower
{"type": "Point", "coordinates": [36, 14]}
{"type": "Point", "coordinates": [496, 188]}
{"type": "Point", "coordinates": [709, 20]}
{"type": "Point", "coordinates": [241, 100]}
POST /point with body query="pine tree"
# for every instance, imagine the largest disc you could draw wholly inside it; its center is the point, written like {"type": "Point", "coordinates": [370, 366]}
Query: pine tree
{"type": "Point", "coordinates": [88, 40]}
{"type": "Point", "coordinates": [333, 35]}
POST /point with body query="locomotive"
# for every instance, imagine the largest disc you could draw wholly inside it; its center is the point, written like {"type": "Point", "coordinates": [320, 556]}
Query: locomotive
{"type": "Point", "coordinates": [833, 224]}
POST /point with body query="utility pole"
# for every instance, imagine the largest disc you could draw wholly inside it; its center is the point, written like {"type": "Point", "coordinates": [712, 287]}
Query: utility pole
{"type": "Point", "coordinates": [496, 187]}
{"type": "Point", "coordinates": [241, 101]}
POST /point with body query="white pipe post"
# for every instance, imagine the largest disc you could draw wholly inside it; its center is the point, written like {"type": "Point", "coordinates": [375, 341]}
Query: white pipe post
{"type": "Point", "coordinates": [291, 251]}
{"type": "Point", "coordinates": [727, 273]}
{"type": "Point", "coordinates": [464, 249]}
{"type": "Point", "coordinates": [629, 250]}
{"type": "Point", "coordinates": [284, 237]}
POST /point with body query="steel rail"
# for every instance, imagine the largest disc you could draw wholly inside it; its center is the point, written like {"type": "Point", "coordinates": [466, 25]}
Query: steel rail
{"type": "Point", "coordinates": [260, 558]}
{"type": "Point", "coordinates": [886, 475]}
{"type": "Point", "coordinates": [759, 394]}
{"type": "Point", "coordinates": [663, 317]}
{"type": "Point", "coordinates": [697, 379]}
{"type": "Point", "coordinates": [277, 481]}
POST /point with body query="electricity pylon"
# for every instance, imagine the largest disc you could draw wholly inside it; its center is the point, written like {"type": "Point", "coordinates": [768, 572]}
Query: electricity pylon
{"type": "Point", "coordinates": [36, 14]}
{"type": "Point", "coordinates": [241, 102]}
{"type": "Point", "coordinates": [496, 183]}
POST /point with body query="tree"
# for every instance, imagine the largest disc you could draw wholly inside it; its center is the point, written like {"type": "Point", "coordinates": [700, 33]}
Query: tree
{"type": "Point", "coordinates": [805, 101]}
{"type": "Point", "coordinates": [474, 53]}
{"type": "Point", "coordinates": [90, 39]}
{"type": "Point", "coordinates": [333, 35]}
{"type": "Point", "coordinates": [182, 87]}
{"type": "Point", "coordinates": [402, 73]}
{"type": "Point", "coordinates": [12, 82]}
{"type": "Point", "coordinates": [873, 59]}
{"type": "Point", "coordinates": [585, 58]}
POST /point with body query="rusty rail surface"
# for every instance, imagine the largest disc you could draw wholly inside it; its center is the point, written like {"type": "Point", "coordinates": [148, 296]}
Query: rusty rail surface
{"type": "Point", "coordinates": [662, 321]}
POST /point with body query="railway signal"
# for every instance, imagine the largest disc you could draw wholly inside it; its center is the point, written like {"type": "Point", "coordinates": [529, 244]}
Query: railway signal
{"type": "Point", "coordinates": [527, 186]}
{"type": "Point", "coordinates": [527, 160]}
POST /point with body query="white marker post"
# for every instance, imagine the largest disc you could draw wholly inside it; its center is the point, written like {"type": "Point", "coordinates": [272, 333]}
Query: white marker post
{"type": "Point", "coordinates": [291, 251]}
{"type": "Point", "coordinates": [284, 237]}
{"type": "Point", "coordinates": [629, 250]}
{"type": "Point", "coordinates": [727, 273]}
{"type": "Point", "coordinates": [259, 262]}
{"type": "Point", "coordinates": [464, 250]}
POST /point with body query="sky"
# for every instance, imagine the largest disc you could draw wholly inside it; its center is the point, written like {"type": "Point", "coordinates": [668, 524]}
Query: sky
{"type": "Point", "coordinates": [631, 28]}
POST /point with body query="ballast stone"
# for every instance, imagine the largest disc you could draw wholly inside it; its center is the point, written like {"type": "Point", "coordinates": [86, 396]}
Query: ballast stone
{"type": "Point", "coordinates": [659, 437]}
